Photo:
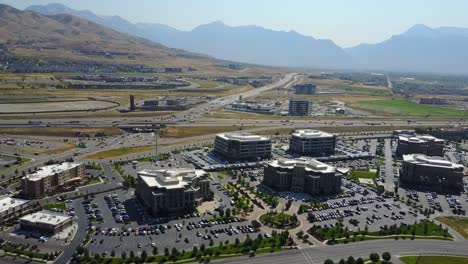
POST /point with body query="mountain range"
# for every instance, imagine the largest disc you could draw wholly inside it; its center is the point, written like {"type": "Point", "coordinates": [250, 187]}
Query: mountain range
{"type": "Point", "coordinates": [420, 48]}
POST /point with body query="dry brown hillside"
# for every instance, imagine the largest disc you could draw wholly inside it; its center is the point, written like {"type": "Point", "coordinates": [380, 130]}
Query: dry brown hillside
{"type": "Point", "coordinates": [29, 34]}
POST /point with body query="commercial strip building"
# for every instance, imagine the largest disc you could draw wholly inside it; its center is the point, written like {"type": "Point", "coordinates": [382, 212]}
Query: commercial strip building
{"type": "Point", "coordinates": [242, 146]}
{"type": "Point", "coordinates": [427, 145]}
{"type": "Point", "coordinates": [299, 107]}
{"type": "Point", "coordinates": [11, 208]}
{"type": "Point", "coordinates": [172, 192]}
{"type": "Point", "coordinates": [52, 179]}
{"type": "Point", "coordinates": [45, 222]}
{"type": "Point", "coordinates": [307, 88]}
{"type": "Point", "coordinates": [431, 173]}
{"type": "Point", "coordinates": [313, 143]}
{"type": "Point", "coordinates": [302, 176]}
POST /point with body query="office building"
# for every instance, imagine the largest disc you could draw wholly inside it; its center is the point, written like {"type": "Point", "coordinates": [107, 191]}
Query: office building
{"type": "Point", "coordinates": [52, 179]}
{"type": "Point", "coordinates": [302, 176]}
{"type": "Point", "coordinates": [45, 222]}
{"type": "Point", "coordinates": [238, 146]}
{"type": "Point", "coordinates": [307, 88]}
{"type": "Point", "coordinates": [172, 192]}
{"type": "Point", "coordinates": [313, 143]}
{"type": "Point", "coordinates": [427, 145]}
{"type": "Point", "coordinates": [299, 107]}
{"type": "Point", "coordinates": [431, 173]}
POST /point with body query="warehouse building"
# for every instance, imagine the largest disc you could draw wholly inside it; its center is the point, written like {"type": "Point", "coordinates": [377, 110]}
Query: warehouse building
{"type": "Point", "coordinates": [52, 179]}
{"type": "Point", "coordinates": [431, 173]}
{"type": "Point", "coordinates": [172, 192]}
{"type": "Point", "coordinates": [313, 143]}
{"type": "Point", "coordinates": [242, 146]}
{"type": "Point", "coordinates": [302, 176]}
{"type": "Point", "coordinates": [45, 222]}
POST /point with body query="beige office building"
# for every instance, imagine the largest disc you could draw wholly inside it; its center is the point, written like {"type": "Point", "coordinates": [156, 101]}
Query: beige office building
{"type": "Point", "coordinates": [52, 179]}
{"type": "Point", "coordinates": [172, 192]}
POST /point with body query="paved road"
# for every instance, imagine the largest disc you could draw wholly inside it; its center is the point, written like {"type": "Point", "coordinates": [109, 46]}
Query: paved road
{"type": "Point", "coordinates": [360, 249]}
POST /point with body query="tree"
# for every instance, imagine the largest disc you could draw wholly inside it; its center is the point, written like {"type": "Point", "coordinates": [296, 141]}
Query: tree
{"type": "Point", "coordinates": [359, 261]}
{"type": "Point", "coordinates": [195, 251]}
{"type": "Point", "coordinates": [112, 253]}
{"type": "Point", "coordinates": [228, 212]}
{"type": "Point", "coordinates": [155, 251]}
{"type": "Point", "coordinates": [123, 255]}
{"type": "Point", "coordinates": [350, 260]}
{"type": "Point", "coordinates": [342, 261]}
{"type": "Point", "coordinates": [202, 247]}
{"type": "Point", "coordinates": [144, 255]}
{"type": "Point", "coordinates": [166, 251]}
{"type": "Point", "coordinates": [386, 256]}
{"type": "Point", "coordinates": [374, 257]}
{"type": "Point", "coordinates": [328, 261]}
{"type": "Point", "coordinates": [132, 255]}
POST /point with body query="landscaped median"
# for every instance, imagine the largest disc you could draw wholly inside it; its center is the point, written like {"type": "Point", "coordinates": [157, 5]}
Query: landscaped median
{"type": "Point", "coordinates": [434, 260]}
{"type": "Point", "coordinates": [277, 242]}
{"type": "Point", "coordinates": [338, 234]}
{"type": "Point", "coordinates": [279, 220]}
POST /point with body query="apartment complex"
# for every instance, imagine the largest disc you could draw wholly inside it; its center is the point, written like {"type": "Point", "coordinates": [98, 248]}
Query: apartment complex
{"type": "Point", "coordinates": [172, 192]}
{"type": "Point", "coordinates": [431, 173]}
{"type": "Point", "coordinates": [52, 179]}
{"type": "Point", "coordinates": [427, 145]}
{"type": "Point", "coordinates": [302, 176]}
{"type": "Point", "coordinates": [313, 143]}
{"type": "Point", "coordinates": [45, 222]}
{"type": "Point", "coordinates": [242, 146]}
{"type": "Point", "coordinates": [307, 88]}
{"type": "Point", "coordinates": [299, 107]}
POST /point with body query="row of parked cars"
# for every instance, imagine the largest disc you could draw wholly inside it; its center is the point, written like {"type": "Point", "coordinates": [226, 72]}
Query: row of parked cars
{"type": "Point", "coordinates": [205, 223]}
{"type": "Point", "coordinates": [117, 208]}
{"type": "Point", "coordinates": [92, 210]}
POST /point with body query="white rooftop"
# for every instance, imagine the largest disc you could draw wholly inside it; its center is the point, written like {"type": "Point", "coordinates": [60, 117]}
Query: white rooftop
{"type": "Point", "coordinates": [45, 217]}
{"type": "Point", "coordinates": [419, 139]}
{"type": "Point", "coordinates": [311, 133]}
{"type": "Point", "coordinates": [242, 136]}
{"type": "Point", "coordinates": [430, 161]}
{"type": "Point", "coordinates": [8, 202]}
{"type": "Point", "coordinates": [51, 170]}
{"type": "Point", "coordinates": [310, 165]}
{"type": "Point", "coordinates": [170, 179]}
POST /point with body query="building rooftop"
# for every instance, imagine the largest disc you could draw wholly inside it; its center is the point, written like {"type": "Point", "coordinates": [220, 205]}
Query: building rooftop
{"type": "Point", "coordinates": [310, 165]}
{"type": "Point", "coordinates": [311, 133]}
{"type": "Point", "coordinates": [170, 179]}
{"type": "Point", "coordinates": [419, 139]}
{"type": "Point", "coordinates": [50, 170]}
{"type": "Point", "coordinates": [45, 217]}
{"type": "Point", "coordinates": [8, 202]}
{"type": "Point", "coordinates": [242, 136]}
{"type": "Point", "coordinates": [430, 161]}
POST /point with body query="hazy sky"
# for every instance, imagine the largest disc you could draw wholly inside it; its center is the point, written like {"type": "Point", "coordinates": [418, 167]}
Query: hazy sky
{"type": "Point", "coordinates": [346, 22]}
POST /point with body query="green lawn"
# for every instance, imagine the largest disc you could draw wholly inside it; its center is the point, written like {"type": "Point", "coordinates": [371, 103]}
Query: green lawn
{"type": "Point", "coordinates": [459, 224]}
{"type": "Point", "coordinates": [61, 206]}
{"type": "Point", "coordinates": [362, 174]}
{"type": "Point", "coordinates": [434, 260]}
{"type": "Point", "coordinates": [407, 108]}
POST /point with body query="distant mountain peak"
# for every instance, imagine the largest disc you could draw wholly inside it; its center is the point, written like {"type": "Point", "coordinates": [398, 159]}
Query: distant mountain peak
{"type": "Point", "coordinates": [419, 29]}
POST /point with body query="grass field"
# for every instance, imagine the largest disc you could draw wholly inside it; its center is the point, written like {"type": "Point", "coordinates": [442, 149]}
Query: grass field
{"type": "Point", "coordinates": [362, 174]}
{"type": "Point", "coordinates": [181, 132]}
{"type": "Point", "coordinates": [434, 260]}
{"type": "Point", "coordinates": [61, 206]}
{"type": "Point", "coordinates": [59, 132]}
{"type": "Point", "coordinates": [119, 152]}
{"type": "Point", "coordinates": [459, 224]}
{"type": "Point", "coordinates": [400, 107]}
